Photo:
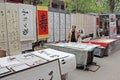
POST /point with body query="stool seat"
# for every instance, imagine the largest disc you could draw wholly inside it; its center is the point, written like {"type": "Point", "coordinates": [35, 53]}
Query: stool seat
{"type": "Point", "coordinates": [2, 53]}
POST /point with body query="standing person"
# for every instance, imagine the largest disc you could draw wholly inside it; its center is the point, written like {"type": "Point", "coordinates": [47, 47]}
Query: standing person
{"type": "Point", "coordinates": [73, 35]}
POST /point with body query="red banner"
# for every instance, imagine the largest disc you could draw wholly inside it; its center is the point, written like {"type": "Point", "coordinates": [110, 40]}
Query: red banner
{"type": "Point", "coordinates": [43, 22]}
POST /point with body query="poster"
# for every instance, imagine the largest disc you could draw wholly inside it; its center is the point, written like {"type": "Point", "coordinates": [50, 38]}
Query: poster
{"type": "Point", "coordinates": [50, 25]}
{"type": "Point", "coordinates": [56, 26]}
{"type": "Point", "coordinates": [42, 22]}
{"type": "Point", "coordinates": [26, 19]}
{"type": "Point", "coordinates": [62, 26]}
{"type": "Point", "coordinates": [112, 29]}
{"type": "Point", "coordinates": [13, 28]}
{"type": "Point", "coordinates": [3, 32]}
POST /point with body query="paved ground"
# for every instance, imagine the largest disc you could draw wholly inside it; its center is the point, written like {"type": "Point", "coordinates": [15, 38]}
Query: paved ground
{"type": "Point", "coordinates": [110, 69]}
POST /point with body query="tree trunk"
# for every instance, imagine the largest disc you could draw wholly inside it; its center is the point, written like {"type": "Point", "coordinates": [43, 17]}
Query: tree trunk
{"type": "Point", "coordinates": [112, 5]}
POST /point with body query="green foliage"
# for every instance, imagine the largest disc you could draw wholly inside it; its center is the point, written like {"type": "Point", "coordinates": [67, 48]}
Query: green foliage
{"type": "Point", "coordinates": [43, 2]}
{"type": "Point", "coordinates": [97, 6]}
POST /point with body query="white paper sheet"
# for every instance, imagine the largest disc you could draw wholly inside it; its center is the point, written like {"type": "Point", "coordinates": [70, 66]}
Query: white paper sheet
{"type": "Point", "coordinates": [7, 62]}
{"type": "Point", "coordinates": [29, 59]}
{"type": "Point", "coordinates": [20, 67]}
{"type": "Point", "coordinates": [4, 70]}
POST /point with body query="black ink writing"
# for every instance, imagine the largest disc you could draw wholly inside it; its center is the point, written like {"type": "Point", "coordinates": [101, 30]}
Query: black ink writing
{"type": "Point", "coordinates": [43, 22]}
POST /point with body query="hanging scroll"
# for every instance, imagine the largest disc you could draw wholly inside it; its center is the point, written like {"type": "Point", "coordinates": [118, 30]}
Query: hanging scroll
{"type": "Point", "coordinates": [3, 35]}
{"type": "Point", "coordinates": [42, 22]}
{"type": "Point", "coordinates": [13, 28]}
{"type": "Point", "coordinates": [62, 26]}
{"type": "Point", "coordinates": [113, 29]}
{"type": "Point", "coordinates": [68, 24]}
{"type": "Point", "coordinates": [26, 22]}
{"type": "Point", "coordinates": [50, 24]}
{"type": "Point", "coordinates": [56, 26]}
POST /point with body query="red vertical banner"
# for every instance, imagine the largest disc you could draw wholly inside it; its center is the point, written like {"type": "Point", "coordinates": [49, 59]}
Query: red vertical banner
{"type": "Point", "coordinates": [42, 22]}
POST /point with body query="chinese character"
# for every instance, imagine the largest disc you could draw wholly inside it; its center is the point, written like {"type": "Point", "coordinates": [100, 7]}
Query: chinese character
{"type": "Point", "coordinates": [43, 22]}
{"type": "Point", "coordinates": [24, 12]}
{"type": "Point", "coordinates": [51, 75]}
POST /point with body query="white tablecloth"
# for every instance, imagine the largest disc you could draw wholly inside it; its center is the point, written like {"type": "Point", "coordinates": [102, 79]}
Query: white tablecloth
{"type": "Point", "coordinates": [67, 60]}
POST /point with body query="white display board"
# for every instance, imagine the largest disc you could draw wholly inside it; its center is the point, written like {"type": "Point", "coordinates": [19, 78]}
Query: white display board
{"type": "Point", "coordinates": [47, 71]}
{"type": "Point", "coordinates": [26, 20]}
{"type": "Point", "coordinates": [56, 26]}
{"type": "Point", "coordinates": [62, 26]}
{"type": "Point", "coordinates": [3, 32]}
{"type": "Point", "coordinates": [13, 28]}
{"type": "Point", "coordinates": [68, 24]}
{"type": "Point", "coordinates": [50, 26]}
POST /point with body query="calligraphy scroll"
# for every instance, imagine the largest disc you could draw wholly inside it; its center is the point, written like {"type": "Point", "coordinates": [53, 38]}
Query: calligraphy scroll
{"type": "Point", "coordinates": [50, 24]}
{"type": "Point", "coordinates": [62, 26]}
{"type": "Point", "coordinates": [3, 35]}
{"type": "Point", "coordinates": [56, 26]}
{"type": "Point", "coordinates": [26, 22]}
{"type": "Point", "coordinates": [68, 24]}
{"type": "Point", "coordinates": [13, 28]}
{"type": "Point", "coordinates": [73, 19]}
{"type": "Point", "coordinates": [34, 24]}
{"type": "Point", "coordinates": [42, 22]}
{"type": "Point", "coordinates": [113, 29]}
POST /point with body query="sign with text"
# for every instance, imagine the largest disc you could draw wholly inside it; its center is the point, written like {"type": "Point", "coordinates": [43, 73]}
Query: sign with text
{"type": "Point", "coordinates": [112, 29]}
{"type": "Point", "coordinates": [42, 22]}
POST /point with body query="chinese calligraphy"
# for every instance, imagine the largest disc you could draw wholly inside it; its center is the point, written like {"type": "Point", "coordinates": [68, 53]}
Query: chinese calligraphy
{"type": "Point", "coordinates": [25, 20]}
{"type": "Point", "coordinates": [43, 22]}
{"type": "Point", "coordinates": [3, 35]}
{"type": "Point", "coordinates": [13, 29]}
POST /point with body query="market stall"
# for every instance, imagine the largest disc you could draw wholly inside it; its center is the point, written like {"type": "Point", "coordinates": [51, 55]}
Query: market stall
{"type": "Point", "coordinates": [108, 46]}
{"type": "Point", "coordinates": [29, 67]}
{"type": "Point", "coordinates": [37, 62]}
{"type": "Point", "coordinates": [67, 61]}
{"type": "Point", "coordinates": [82, 51]}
